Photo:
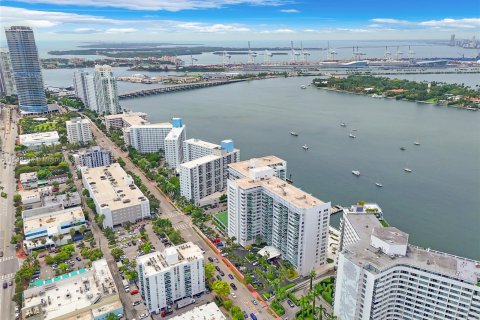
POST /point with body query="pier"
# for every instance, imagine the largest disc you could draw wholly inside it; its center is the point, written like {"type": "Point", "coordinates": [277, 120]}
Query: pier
{"type": "Point", "coordinates": [173, 88]}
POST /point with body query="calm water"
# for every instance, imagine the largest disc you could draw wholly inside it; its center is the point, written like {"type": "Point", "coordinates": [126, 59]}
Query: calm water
{"type": "Point", "coordinates": [438, 203]}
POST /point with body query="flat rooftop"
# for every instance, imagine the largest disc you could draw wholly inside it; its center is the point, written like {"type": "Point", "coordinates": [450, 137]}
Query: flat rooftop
{"type": "Point", "coordinates": [163, 125]}
{"type": "Point", "coordinates": [174, 133]}
{"type": "Point", "coordinates": [63, 295]}
{"type": "Point", "coordinates": [208, 311]}
{"type": "Point", "coordinates": [38, 137]}
{"type": "Point", "coordinates": [202, 143]}
{"type": "Point", "coordinates": [364, 254]}
{"type": "Point", "coordinates": [200, 161]}
{"type": "Point", "coordinates": [28, 175]}
{"type": "Point", "coordinates": [73, 199]}
{"type": "Point", "coordinates": [243, 167]}
{"type": "Point", "coordinates": [52, 219]}
{"type": "Point", "coordinates": [282, 189]}
{"type": "Point", "coordinates": [391, 235]}
{"type": "Point", "coordinates": [112, 186]}
{"type": "Point", "coordinates": [156, 262]}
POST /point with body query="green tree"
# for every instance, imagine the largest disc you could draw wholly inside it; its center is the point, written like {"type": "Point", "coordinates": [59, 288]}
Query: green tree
{"type": "Point", "coordinates": [312, 276]}
{"type": "Point", "coordinates": [111, 316]}
{"type": "Point", "coordinates": [117, 253]}
{"type": "Point", "coordinates": [209, 270]}
{"type": "Point", "coordinates": [17, 199]}
{"type": "Point", "coordinates": [221, 288]}
{"type": "Point", "coordinates": [227, 304]}
{"type": "Point", "coordinates": [63, 267]}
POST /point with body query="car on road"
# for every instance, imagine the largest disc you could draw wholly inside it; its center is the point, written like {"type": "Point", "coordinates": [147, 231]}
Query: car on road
{"type": "Point", "coordinates": [254, 302]}
{"type": "Point", "coordinates": [136, 303]}
{"type": "Point", "coordinates": [224, 254]}
{"type": "Point", "coordinates": [253, 316]}
{"type": "Point", "coordinates": [78, 259]}
{"type": "Point", "coordinates": [143, 316]}
{"type": "Point", "coordinates": [230, 276]}
{"type": "Point", "coordinates": [10, 283]}
{"type": "Point", "coordinates": [245, 314]}
{"type": "Point", "coordinates": [222, 273]}
{"type": "Point", "coordinates": [5, 284]}
{"type": "Point", "coordinates": [290, 303]}
{"type": "Point", "coordinates": [234, 287]}
{"type": "Point", "coordinates": [218, 277]}
{"type": "Point", "coordinates": [217, 268]}
{"type": "Point", "coordinates": [134, 291]}
{"type": "Point", "coordinates": [1, 254]}
{"type": "Point", "coordinates": [216, 259]}
{"type": "Point", "coordinates": [233, 295]}
{"type": "Point", "coordinates": [210, 259]}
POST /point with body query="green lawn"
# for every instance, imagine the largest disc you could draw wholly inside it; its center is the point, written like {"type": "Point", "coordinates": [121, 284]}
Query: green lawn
{"type": "Point", "coordinates": [222, 217]}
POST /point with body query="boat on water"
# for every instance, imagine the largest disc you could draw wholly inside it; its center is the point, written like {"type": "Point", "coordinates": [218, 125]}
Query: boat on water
{"type": "Point", "coordinates": [354, 129]}
{"type": "Point", "coordinates": [351, 135]}
{"type": "Point", "coordinates": [356, 172]}
{"type": "Point", "coordinates": [378, 184]}
{"type": "Point", "coordinates": [343, 124]}
{"type": "Point", "coordinates": [416, 143]}
{"type": "Point", "coordinates": [293, 133]}
{"type": "Point", "coordinates": [303, 86]}
{"type": "Point", "coordinates": [402, 148]}
{"type": "Point", "coordinates": [305, 147]}
{"type": "Point", "coordinates": [407, 170]}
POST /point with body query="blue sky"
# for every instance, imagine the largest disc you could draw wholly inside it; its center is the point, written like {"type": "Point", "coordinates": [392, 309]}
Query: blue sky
{"type": "Point", "coordinates": [203, 20]}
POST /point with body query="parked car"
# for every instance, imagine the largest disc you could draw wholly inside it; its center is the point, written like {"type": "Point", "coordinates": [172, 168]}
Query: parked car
{"type": "Point", "coordinates": [245, 314]}
{"type": "Point", "coordinates": [210, 259]}
{"type": "Point", "coordinates": [253, 316]}
{"type": "Point", "coordinates": [290, 303]}
{"type": "Point", "coordinates": [5, 284]}
{"type": "Point", "coordinates": [134, 291]}
{"type": "Point", "coordinates": [78, 259]}
{"type": "Point", "coordinates": [222, 273]}
{"type": "Point", "coordinates": [136, 303]}
{"type": "Point", "coordinates": [217, 268]}
{"type": "Point", "coordinates": [143, 316]}
{"type": "Point", "coordinates": [233, 295]}
{"type": "Point", "coordinates": [218, 277]}
{"type": "Point", "coordinates": [234, 287]}
{"type": "Point", "coordinates": [254, 302]}
{"type": "Point", "coordinates": [230, 276]}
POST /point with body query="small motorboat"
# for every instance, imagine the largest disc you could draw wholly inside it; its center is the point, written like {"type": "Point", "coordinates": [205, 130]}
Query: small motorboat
{"type": "Point", "coordinates": [343, 124]}
{"type": "Point", "coordinates": [403, 148]}
{"type": "Point", "coordinates": [378, 184]}
{"type": "Point", "coordinates": [407, 170]}
{"type": "Point", "coordinates": [303, 86]}
{"type": "Point", "coordinates": [356, 172]}
{"type": "Point", "coordinates": [293, 133]}
{"type": "Point", "coordinates": [305, 147]}
{"type": "Point", "coordinates": [416, 143]}
{"type": "Point", "coordinates": [351, 135]}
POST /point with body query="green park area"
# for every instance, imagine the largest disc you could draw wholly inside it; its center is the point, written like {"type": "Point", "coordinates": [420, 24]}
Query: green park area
{"type": "Point", "coordinates": [221, 219]}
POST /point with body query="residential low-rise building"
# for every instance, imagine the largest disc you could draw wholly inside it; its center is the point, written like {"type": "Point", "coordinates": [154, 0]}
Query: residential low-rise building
{"type": "Point", "coordinates": [34, 196]}
{"type": "Point", "coordinates": [39, 139]}
{"type": "Point", "coordinates": [381, 276]}
{"type": "Point", "coordinates": [208, 311]}
{"type": "Point", "coordinates": [174, 144]}
{"type": "Point", "coordinates": [285, 217]}
{"type": "Point", "coordinates": [67, 200]}
{"type": "Point", "coordinates": [93, 157]}
{"type": "Point", "coordinates": [29, 180]}
{"type": "Point", "coordinates": [170, 276]}
{"type": "Point", "coordinates": [115, 195]}
{"type": "Point", "coordinates": [79, 130]}
{"type": "Point", "coordinates": [47, 228]}
{"type": "Point", "coordinates": [82, 294]}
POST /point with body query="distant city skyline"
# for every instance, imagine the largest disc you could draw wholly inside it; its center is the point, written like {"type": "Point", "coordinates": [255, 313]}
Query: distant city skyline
{"type": "Point", "coordinates": [254, 20]}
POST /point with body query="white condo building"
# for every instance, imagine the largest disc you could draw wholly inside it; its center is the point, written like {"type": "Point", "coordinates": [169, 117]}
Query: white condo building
{"type": "Point", "coordinates": [148, 138]}
{"type": "Point", "coordinates": [124, 120]}
{"type": "Point", "coordinates": [206, 173]}
{"type": "Point", "coordinates": [174, 144]}
{"type": "Point", "coordinates": [7, 80]}
{"type": "Point", "coordinates": [172, 275]}
{"type": "Point", "coordinates": [241, 169]}
{"type": "Point", "coordinates": [93, 157]}
{"type": "Point", "coordinates": [85, 89]}
{"type": "Point", "coordinates": [381, 276]}
{"type": "Point", "coordinates": [115, 195]}
{"type": "Point", "coordinates": [293, 222]}
{"type": "Point", "coordinates": [79, 130]}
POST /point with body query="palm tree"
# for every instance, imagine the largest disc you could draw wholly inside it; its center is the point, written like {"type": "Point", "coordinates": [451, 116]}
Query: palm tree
{"type": "Point", "coordinates": [312, 275]}
{"type": "Point", "coordinates": [303, 304]}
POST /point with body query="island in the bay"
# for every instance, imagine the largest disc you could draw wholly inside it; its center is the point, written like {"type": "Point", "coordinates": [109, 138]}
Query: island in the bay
{"type": "Point", "coordinates": [457, 95]}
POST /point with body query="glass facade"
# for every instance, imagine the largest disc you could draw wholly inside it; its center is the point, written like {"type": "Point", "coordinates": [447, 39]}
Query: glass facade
{"type": "Point", "coordinates": [26, 69]}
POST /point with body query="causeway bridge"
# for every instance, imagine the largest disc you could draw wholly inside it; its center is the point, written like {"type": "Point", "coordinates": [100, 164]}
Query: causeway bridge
{"type": "Point", "coordinates": [174, 88]}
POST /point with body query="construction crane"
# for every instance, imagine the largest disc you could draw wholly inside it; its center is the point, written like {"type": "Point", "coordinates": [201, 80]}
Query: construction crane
{"type": "Point", "coordinates": [267, 57]}
{"type": "Point", "coordinates": [388, 54]}
{"type": "Point", "coordinates": [193, 59]}
{"type": "Point", "coordinates": [226, 58]}
{"type": "Point", "coordinates": [251, 55]}
{"type": "Point", "coordinates": [304, 53]}
{"type": "Point", "coordinates": [411, 53]}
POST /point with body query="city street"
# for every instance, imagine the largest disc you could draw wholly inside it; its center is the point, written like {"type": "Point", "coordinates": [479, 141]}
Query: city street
{"type": "Point", "coordinates": [9, 263]}
{"type": "Point", "coordinates": [183, 223]}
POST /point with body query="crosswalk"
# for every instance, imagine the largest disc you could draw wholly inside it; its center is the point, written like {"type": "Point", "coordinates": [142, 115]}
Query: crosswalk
{"type": "Point", "coordinates": [3, 259]}
{"type": "Point", "coordinates": [7, 276]}
{"type": "Point", "coordinates": [169, 215]}
{"type": "Point", "coordinates": [181, 226]}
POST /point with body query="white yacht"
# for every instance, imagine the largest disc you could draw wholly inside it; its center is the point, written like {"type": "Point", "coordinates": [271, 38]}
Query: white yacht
{"type": "Point", "coordinates": [303, 86]}
{"type": "Point", "coordinates": [305, 147]}
{"type": "Point", "coordinates": [378, 184]}
{"type": "Point", "coordinates": [343, 124]}
{"type": "Point", "coordinates": [407, 170]}
{"type": "Point", "coordinates": [293, 133]}
{"type": "Point", "coordinates": [356, 172]}
{"type": "Point", "coordinates": [351, 135]}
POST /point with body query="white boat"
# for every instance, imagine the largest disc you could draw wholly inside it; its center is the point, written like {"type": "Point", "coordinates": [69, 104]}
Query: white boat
{"type": "Point", "coordinates": [303, 86]}
{"type": "Point", "coordinates": [378, 184]}
{"type": "Point", "coordinates": [351, 135]}
{"type": "Point", "coordinates": [356, 172]}
{"type": "Point", "coordinates": [407, 170]}
{"type": "Point", "coordinates": [305, 147]}
{"type": "Point", "coordinates": [293, 133]}
{"type": "Point", "coordinates": [343, 124]}
{"type": "Point", "coordinates": [416, 143]}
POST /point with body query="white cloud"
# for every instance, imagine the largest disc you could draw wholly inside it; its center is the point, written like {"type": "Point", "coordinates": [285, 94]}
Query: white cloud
{"type": "Point", "coordinates": [214, 28]}
{"type": "Point", "coordinates": [465, 23]}
{"type": "Point", "coordinates": [120, 30]}
{"type": "Point", "coordinates": [285, 31]}
{"type": "Point", "coordinates": [308, 30]}
{"type": "Point", "coordinates": [290, 11]}
{"type": "Point", "coordinates": [157, 5]}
